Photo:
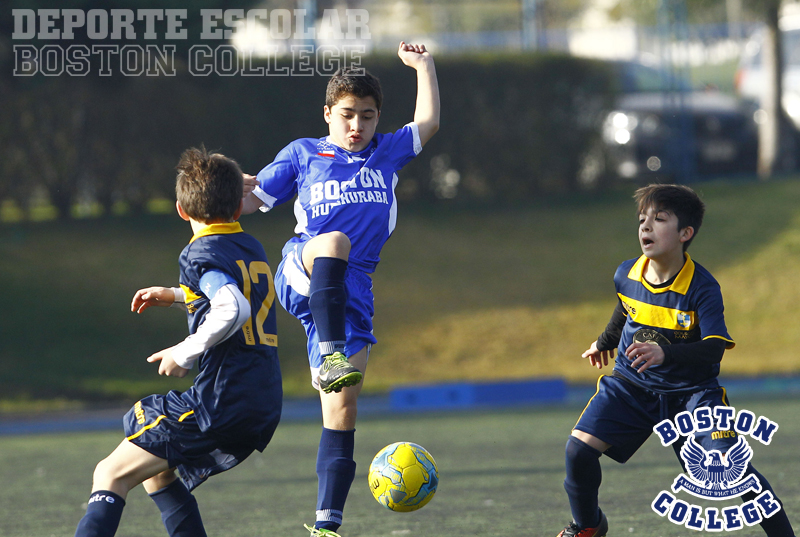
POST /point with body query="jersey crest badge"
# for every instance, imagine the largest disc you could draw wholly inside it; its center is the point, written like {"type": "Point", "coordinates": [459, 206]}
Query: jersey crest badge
{"type": "Point", "coordinates": [684, 319]}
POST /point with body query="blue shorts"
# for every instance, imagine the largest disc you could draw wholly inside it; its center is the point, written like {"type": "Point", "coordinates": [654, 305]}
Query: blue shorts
{"type": "Point", "coordinates": [623, 415]}
{"type": "Point", "coordinates": [166, 427]}
{"type": "Point", "coordinates": [292, 286]}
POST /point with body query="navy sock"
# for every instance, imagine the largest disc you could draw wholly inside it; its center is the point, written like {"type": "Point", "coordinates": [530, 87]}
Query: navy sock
{"type": "Point", "coordinates": [327, 302]}
{"type": "Point", "coordinates": [102, 515]}
{"type": "Point", "coordinates": [336, 470]}
{"type": "Point", "coordinates": [583, 482]}
{"type": "Point", "coordinates": [777, 525]}
{"type": "Point", "coordinates": [179, 510]}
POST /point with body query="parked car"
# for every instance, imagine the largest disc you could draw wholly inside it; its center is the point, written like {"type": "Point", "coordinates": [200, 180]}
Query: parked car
{"type": "Point", "coordinates": [660, 126]}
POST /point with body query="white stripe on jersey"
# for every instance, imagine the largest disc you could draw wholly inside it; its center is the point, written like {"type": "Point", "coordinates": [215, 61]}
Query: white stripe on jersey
{"type": "Point", "coordinates": [301, 217]}
{"type": "Point", "coordinates": [393, 208]}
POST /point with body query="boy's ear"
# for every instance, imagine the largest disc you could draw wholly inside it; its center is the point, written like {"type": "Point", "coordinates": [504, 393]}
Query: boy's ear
{"type": "Point", "coordinates": [181, 212]}
{"type": "Point", "coordinates": [687, 233]}
{"type": "Point", "coordinates": [238, 212]}
{"type": "Point", "coordinates": [326, 113]}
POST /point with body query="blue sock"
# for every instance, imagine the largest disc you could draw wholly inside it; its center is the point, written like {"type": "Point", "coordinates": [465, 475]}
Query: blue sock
{"type": "Point", "coordinates": [336, 470]}
{"type": "Point", "coordinates": [102, 515]}
{"type": "Point", "coordinates": [327, 302]}
{"type": "Point", "coordinates": [583, 482]}
{"type": "Point", "coordinates": [777, 525]}
{"type": "Point", "coordinates": [179, 510]}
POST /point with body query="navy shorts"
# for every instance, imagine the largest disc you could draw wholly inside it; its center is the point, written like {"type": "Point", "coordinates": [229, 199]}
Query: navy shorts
{"type": "Point", "coordinates": [623, 415]}
{"type": "Point", "coordinates": [166, 427]}
{"type": "Point", "coordinates": [292, 286]}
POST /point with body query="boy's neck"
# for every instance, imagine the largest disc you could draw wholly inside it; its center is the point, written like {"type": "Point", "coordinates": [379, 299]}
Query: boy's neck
{"type": "Point", "coordinates": [660, 270]}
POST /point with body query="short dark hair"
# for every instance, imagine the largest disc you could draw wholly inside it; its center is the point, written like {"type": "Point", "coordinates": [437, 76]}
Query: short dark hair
{"type": "Point", "coordinates": [209, 185]}
{"type": "Point", "coordinates": [680, 200]}
{"type": "Point", "coordinates": [355, 81]}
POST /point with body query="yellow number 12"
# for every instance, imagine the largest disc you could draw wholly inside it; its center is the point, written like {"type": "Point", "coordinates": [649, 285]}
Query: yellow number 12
{"type": "Point", "coordinates": [249, 275]}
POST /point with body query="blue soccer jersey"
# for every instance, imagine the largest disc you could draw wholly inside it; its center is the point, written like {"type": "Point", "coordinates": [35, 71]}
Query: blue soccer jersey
{"type": "Point", "coordinates": [342, 191]}
{"type": "Point", "coordinates": [238, 391]}
{"type": "Point", "coordinates": [690, 309]}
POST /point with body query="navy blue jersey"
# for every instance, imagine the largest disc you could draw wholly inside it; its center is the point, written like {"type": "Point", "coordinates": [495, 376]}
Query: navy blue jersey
{"type": "Point", "coordinates": [342, 191]}
{"type": "Point", "coordinates": [238, 388]}
{"type": "Point", "coordinates": [688, 310]}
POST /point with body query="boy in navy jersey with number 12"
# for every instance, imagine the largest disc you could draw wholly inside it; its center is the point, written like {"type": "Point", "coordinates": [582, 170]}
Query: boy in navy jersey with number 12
{"type": "Point", "coordinates": [668, 335]}
{"type": "Point", "coordinates": [234, 405]}
{"type": "Point", "coordinates": [346, 211]}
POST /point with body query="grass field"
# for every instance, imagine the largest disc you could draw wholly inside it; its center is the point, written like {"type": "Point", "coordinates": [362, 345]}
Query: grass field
{"type": "Point", "coordinates": [501, 475]}
{"type": "Point", "coordinates": [460, 293]}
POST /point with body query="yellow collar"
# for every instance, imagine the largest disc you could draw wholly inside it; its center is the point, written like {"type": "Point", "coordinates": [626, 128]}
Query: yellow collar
{"type": "Point", "coordinates": [681, 283]}
{"type": "Point", "coordinates": [218, 229]}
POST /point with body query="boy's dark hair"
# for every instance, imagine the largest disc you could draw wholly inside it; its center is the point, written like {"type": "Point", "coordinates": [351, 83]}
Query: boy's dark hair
{"type": "Point", "coordinates": [355, 81]}
{"type": "Point", "coordinates": [209, 185]}
{"type": "Point", "coordinates": [680, 200]}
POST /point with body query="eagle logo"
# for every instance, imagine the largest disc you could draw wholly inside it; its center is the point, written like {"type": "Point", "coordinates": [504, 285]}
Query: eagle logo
{"type": "Point", "coordinates": [715, 475]}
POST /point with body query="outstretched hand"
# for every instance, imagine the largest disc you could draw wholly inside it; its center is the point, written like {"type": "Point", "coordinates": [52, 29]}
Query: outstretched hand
{"type": "Point", "coordinates": [167, 367]}
{"type": "Point", "coordinates": [152, 296]}
{"type": "Point", "coordinates": [413, 55]}
{"type": "Point", "coordinates": [596, 357]}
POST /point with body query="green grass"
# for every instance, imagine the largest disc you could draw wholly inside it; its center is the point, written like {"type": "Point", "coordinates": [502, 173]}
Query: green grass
{"type": "Point", "coordinates": [501, 474]}
{"type": "Point", "coordinates": [479, 293]}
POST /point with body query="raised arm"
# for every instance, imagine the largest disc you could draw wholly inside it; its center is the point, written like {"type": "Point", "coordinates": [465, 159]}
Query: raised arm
{"type": "Point", "coordinates": [426, 113]}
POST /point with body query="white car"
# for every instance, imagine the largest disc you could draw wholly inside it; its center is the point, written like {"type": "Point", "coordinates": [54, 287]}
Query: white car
{"type": "Point", "coordinates": [751, 78]}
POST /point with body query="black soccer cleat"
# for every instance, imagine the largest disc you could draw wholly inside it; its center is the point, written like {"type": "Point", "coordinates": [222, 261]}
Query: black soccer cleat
{"type": "Point", "coordinates": [337, 373]}
{"type": "Point", "coordinates": [573, 530]}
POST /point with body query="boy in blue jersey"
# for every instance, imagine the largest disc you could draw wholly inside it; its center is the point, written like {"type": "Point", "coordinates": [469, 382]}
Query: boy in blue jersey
{"type": "Point", "coordinates": [234, 405]}
{"type": "Point", "coordinates": [346, 211]}
{"type": "Point", "coordinates": [668, 335]}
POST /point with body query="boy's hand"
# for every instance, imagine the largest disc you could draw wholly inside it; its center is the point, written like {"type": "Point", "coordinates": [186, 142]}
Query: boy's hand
{"type": "Point", "coordinates": [250, 184]}
{"type": "Point", "coordinates": [152, 296]}
{"type": "Point", "coordinates": [167, 366]}
{"type": "Point", "coordinates": [597, 358]}
{"type": "Point", "coordinates": [644, 355]}
{"type": "Point", "coordinates": [414, 55]}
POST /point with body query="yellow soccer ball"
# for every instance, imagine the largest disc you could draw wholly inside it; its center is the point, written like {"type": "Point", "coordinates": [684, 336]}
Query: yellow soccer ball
{"type": "Point", "coordinates": [403, 477]}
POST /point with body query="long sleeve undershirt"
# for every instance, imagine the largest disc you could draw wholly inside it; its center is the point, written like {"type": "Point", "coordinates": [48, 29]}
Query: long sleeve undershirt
{"type": "Point", "coordinates": [229, 311]}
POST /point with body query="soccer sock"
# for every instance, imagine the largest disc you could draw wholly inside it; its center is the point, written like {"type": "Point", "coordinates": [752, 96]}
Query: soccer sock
{"type": "Point", "coordinates": [179, 510]}
{"type": "Point", "coordinates": [336, 470]}
{"type": "Point", "coordinates": [583, 482]}
{"type": "Point", "coordinates": [777, 525]}
{"type": "Point", "coordinates": [102, 515]}
{"type": "Point", "coordinates": [327, 301]}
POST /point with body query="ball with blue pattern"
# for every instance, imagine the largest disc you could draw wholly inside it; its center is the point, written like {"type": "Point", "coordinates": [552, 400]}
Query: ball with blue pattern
{"type": "Point", "coordinates": [403, 477]}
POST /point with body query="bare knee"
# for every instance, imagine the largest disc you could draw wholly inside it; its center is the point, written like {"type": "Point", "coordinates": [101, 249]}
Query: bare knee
{"type": "Point", "coordinates": [332, 244]}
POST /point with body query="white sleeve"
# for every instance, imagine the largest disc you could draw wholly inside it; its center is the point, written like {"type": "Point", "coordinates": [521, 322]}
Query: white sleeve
{"type": "Point", "coordinates": [180, 298]}
{"type": "Point", "coordinates": [229, 311]}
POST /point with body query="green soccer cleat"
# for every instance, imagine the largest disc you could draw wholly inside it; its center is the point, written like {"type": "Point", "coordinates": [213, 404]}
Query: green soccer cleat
{"type": "Point", "coordinates": [573, 530]}
{"type": "Point", "coordinates": [317, 532]}
{"type": "Point", "coordinates": [337, 373]}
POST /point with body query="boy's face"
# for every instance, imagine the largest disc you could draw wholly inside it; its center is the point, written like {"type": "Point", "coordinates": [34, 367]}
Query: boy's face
{"type": "Point", "coordinates": [659, 235]}
{"type": "Point", "coordinates": [352, 122]}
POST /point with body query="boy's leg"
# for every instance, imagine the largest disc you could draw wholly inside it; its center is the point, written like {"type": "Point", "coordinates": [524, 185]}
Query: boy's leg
{"type": "Point", "coordinates": [325, 258]}
{"type": "Point", "coordinates": [179, 510]}
{"type": "Point", "coordinates": [582, 484]}
{"type": "Point", "coordinates": [335, 464]}
{"type": "Point", "coordinates": [127, 466]}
